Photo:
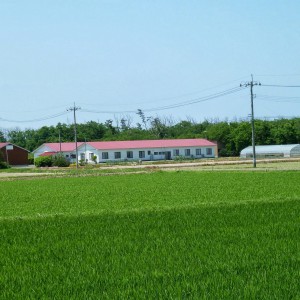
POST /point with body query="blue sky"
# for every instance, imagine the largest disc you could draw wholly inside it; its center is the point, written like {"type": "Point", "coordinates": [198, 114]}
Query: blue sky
{"type": "Point", "coordinates": [121, 55]}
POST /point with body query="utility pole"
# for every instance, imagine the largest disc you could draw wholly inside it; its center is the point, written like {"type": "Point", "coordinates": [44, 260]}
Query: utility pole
{"type": "Point", "coordinates": [74, 109]}
{"type": "Point", "coordinates": [59, 137]}
{"type": "Point", "coordinates": [85, 160]}
{"type": "Point", "coordinates": [251, 84]}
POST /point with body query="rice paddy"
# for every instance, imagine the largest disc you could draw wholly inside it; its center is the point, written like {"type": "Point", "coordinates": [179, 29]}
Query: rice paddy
{"type": "Point", "coordinates": [161, 235]}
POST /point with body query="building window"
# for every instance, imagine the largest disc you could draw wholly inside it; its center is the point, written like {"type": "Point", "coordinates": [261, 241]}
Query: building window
{"type": "Point", "coordinates": [104, 155]}
{"type": "Point", "coordinates": [187, 152]}
{"type": "Point", "coordinates": [198, 152]}
{"type": "Point", "coordinates": [73, 155]}
{"type": "Point", "coordinates": [129, 154]}
{"type": "Point", "coordinates": [117, 155]}
{"type": "Point", "coordinates": [91, 155]}
{"type": "Point", "coordinates": [141, 154]}
{"type": "Point", "coordinates": [208, 151]}
{"type": "Point", "coordinates": [155, 153]}
{"type": "Point", "coordinates": [82, 156]}
{"type": "Point", "coordinates": [149, 152]}
{"type": "Point", "coordinates": [176, 152]}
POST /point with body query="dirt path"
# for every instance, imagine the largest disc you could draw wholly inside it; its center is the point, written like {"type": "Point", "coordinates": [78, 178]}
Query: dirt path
{"type": "Point", "coordinates": [199, 164]}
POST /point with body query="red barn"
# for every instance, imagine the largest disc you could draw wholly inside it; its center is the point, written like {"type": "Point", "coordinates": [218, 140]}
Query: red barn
{"type": "Point", "coordinates": [13, 154]}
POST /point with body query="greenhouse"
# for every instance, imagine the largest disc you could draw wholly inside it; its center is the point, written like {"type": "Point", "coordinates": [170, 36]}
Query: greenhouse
{"type": "Point", "coordinates": [272, 151]}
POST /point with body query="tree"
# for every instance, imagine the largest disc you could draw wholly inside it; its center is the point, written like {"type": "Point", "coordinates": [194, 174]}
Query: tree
{"type": "Point", "coordinates": [141, 114]}
{"type": "Point", "coordinates": [159, 128]}
{"type": "Point", "coordinates": [241, 137]}
{"type": "Point", "coordinates": [17, 136]}
{"type": "Point", "coordinates": [2, 138]}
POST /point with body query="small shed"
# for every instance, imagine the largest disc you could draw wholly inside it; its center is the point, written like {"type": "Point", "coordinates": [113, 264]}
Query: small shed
{"type": "Point", "coordinates": [13, 154]}
{"type": "Point", "coordinates": [272, 151]}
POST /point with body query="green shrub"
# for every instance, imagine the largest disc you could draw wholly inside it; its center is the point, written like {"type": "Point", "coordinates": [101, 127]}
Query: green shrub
{"type": "Point", "coordinates": [30, 159]}
{"type": "Point", "coordinates": [60, 161]}
{"type": "Point", "coordinates": [94, 159]}
{"type": "Point", "coordinates": [43, 161]}
{"type": "Point", "coordinates": [82, 162]}
{"type": "Point", "coordinates": [180, 158]}
{"type": "Point", "coordinates": [4, 165]}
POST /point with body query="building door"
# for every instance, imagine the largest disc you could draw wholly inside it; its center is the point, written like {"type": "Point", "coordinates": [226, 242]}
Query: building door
{"type": "Point", "coordinates": [168, 155]}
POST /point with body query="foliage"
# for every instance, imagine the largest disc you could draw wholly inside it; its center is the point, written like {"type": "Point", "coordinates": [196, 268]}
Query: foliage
{"type": "Point", "coordinates": [30, 159]}
{"type": "Point", "coordinates": [82, 162]}
{"type": "Point", "coordinates": [49, 161]}
{"type": "Point", "coordinates": [232, 237]}
{"type": "Point", "coordinates": [43, 161]}
{"type": "Point", "coordinates": [60, 161]}
{"type": "Point", "coordinates": [232, 136]}
{"type": "Point", "coordinates": [2, 138]}
{"type": "Point", "coordinates": [94, 158]}
{"type": "Point", "coordinates": [4, 165]}
{"type": "Point", "coordinates": [1, 156]}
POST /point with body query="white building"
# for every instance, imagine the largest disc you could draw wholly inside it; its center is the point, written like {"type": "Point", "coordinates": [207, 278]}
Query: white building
{"type": "Point", "coordinates": [67, 149]}
{"type": "Point", "coordinates": [132, 150]}
{"type": "Point", "coordinates": [272, 151]}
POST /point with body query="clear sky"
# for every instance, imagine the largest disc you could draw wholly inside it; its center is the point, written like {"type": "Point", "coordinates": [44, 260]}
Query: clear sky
{"type": "Point", "coordinates": [121, 55]}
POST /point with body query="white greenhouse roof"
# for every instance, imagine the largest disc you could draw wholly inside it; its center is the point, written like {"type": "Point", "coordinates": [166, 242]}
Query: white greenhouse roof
{"type": "Point", "coordinates": [270, 149]}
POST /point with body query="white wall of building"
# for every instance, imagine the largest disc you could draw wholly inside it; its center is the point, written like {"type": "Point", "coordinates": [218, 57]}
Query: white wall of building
{"type": "Point", "coordinates": [70, 155]}
{"type": "Point", "coordinates": [86, 152]}
{"type": "Point", "coordinates": [41, 150]}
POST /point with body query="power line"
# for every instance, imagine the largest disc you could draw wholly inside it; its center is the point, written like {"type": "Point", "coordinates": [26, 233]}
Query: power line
{"type": "Point", "coordinates": [277, 117]}
{"type": "Point", "coordinates": [180, 104]}
{"type": "Point", "coordinates": [284, 86]}
{"type": "Point", "coordinates": [185, 103]}
{"type": "Point", "coordinates": [277, 75]}
{"type": "Point", "coordinates": [179, 96]}
{"type": "Point", "coordinates": [35, 120]}
{"type": "Point", "coordinates": [197, 100]}
{"type": "Point", "coordinates": [278, 99]}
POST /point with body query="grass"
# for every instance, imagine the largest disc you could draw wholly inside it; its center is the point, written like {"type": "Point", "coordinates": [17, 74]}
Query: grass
{"type": "Point", "coordinates": [164, 235]}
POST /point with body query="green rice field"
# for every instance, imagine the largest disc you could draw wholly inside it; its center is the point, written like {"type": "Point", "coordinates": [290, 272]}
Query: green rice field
{"type": "Point", "coordinates": [158, 235]}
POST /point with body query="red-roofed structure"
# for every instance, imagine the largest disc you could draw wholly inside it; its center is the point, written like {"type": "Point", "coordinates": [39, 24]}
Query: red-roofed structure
{"type": "Point", "coordinates": [132, 150]}
{"type": "Point", "coordinates": [48, 153]}
{"type": "Point", "coordinates": [63, 147]}
{"type": "Point", "coordinates": [151, 144]}
{"type": "Point", "coordinates": [13, 154]}
{"type": "Point", "coordinates": [67, 149]}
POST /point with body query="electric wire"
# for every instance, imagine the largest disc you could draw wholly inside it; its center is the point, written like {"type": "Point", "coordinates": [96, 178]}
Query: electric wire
{"type": "Point", "coordinates": [35, 120]}
{"type": "Point", "coordinates": [176, 105]}
{"type": "Point", "coordinates": [175, 97]}
{"type": "Point", "coordinates": [278, 98]}
{"type": "Point", "coordinates": [185, 103]}
{"type": "Point", "coordinates": [278, 85]}
{"type": "Point", "coordinates": [277, 75]}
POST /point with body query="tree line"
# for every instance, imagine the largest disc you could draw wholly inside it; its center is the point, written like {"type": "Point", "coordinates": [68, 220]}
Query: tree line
{"type": "Point", "coordinates": [232, 136]}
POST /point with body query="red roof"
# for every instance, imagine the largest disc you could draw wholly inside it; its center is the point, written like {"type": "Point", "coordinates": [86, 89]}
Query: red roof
{"type": "Point", "coordinates": [3, 145]}
{"type": "Point", "coordinates": [65, 147]}
{"type": "Point", "coordinates": [48, 153]}
{"type": "Point", "coordinates": [152, 144]}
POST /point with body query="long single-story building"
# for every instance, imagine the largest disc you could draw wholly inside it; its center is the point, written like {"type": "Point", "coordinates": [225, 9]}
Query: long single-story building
{"type": "Point", "coordinates": [131, 150]}
{"type": "Point", "coordinates": [272, 151]}
{"type": "Point", "coordinates": [13, 154]}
